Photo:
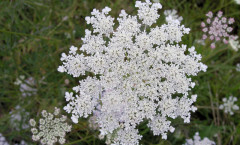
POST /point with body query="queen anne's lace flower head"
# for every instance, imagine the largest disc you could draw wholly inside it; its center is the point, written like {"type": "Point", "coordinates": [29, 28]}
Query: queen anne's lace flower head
{"type": "Point", "coordinates": [3, 140]}
{"type": "Point", "coordinates": [217, 28]}
{"type": "Point", "coordinates": [200, 41]}
{"type": "Point", "coordinates": [147, 12]}
{"type": "Point", "coordinates": [197, 140]}
{"type": "Point", "coordinates": [19, 118]}
{"type": "Point", "coordinates": [19, 80]}
{"type": "Point", "coordinates": [26, 85]}
{"type": "Point", "coordinates": [140, 74]}
{"type": "Point", "coordinates": [101, 23]}
{"type": "Point", "coordinates": [51, 128]}
{"type": "Point", "coordinates": [238, 67]}
{"type": "Point", "coordinates": [237, 2]}
{"type": "Point", "coordinates": [172, 15]}
{"type": "Point", "coordinates": [234, 44]}
{"type": "Point", "coordinates": [228, 105]}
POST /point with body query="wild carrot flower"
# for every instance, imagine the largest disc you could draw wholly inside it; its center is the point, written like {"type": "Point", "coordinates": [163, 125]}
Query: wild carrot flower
{"type": "Point", "coordinates": [19, 118]}
{"type": "Point", "coordinates": [3, 140]}
{"type": "Point", "coordinates": [238, 67]}
{"type": "Point", "coordinates": [19, 80]}
{"type": "Point", "coordinates": [217, 28]}
{"type": "Point", "coordinates": [228, 105]}
{"type": "Point", "coordinates": [200, 41]}
{"type": "Point", "coordinates": [237, 2]}
{"type": "Point", "coordinates": [234, 44]}
{"type": "Point", "coordinates": [197, 140]}
{"type": "Point", "coordinates": [138, 72]}
{"type": "Point", "coordinates": [172, 15]}
{"type": "Point", "coordinates": [26, 85]}
{"type": "Point", "coordinates": [51, 128]}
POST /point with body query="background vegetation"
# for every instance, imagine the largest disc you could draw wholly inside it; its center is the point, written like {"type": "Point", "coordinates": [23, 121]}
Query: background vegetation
{"type": "Point", "coordinates": [34, 33]}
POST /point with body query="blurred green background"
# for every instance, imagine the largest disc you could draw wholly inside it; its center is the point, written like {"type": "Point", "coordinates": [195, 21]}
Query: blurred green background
{"type": "Point", "coordinates": [34, 33]}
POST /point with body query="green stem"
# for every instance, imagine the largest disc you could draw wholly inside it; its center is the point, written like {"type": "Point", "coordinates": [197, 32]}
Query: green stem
{"type": "Point", "coordinates": [29, 35]}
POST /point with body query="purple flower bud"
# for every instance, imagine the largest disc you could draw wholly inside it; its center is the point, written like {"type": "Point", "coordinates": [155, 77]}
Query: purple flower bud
{"type": "Point", "coordinates": [203, 24]}
{"type": "Point", "coordinates": [211, 37]}
{"type": "Point", "coordinates": [225, 41]}
{"type": "Point", "coordinates": [220, 13]}
{"type": "Point", "coordinates": [204, 37]}
{"type": "Point", "coordinates": [213, 45]}
{"type": "Point", "coordinates": [205, 29]}
{"type": "Point", "coordinates": [208, 21]}
{"type": "Point", "coordinates": [209, 14]}
{"type": "Point", "coordinates": [231, 21]}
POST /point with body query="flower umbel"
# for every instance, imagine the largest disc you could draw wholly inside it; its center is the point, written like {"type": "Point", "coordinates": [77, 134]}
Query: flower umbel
{"type": "Point", "coordinates": [217, 28]}
{"type": "Point", "coordinates": [237, 2]}
{"type": "Point", "coordinates": [197, 140]}
{"type": "Point", "coordinates": [27, 86]}
{"type": "Point", "coordinates": [172, 15]}
{"type": "Point", "coordinates": [51, 128]}
{"type": "Point", "coordinates": [138, 71]}
{"type": "Point", "coordinates": [234, 44]}
{"type": "Point", "coordinates": [19, 118]}
{"type": "Point", "coordinates": [228, 105]}
{"type": "Point", "coordinates": [238, 67]}
{"type": "Point", "coordinates": [3, 140]}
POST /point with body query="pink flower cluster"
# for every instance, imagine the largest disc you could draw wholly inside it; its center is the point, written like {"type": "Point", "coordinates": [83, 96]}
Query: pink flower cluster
{"type": "Point", "coordinates": [217, 28]}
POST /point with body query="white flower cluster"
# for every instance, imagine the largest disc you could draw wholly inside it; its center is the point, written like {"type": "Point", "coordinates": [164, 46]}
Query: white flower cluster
{"type": "Point", "coordinates": [237, 2]}
{"type": "Point", "coordinates": [26, 85]}
{"type": "Point", "coordinates": [234, 44]}
{"type": "Point", "coordinates": [197, 140]}
{"type": "Point", "coordinates": [228, 105]}
{"type": "Point", "coordinates": [51, 129]}
{"type": "Point", "coordinates": [3, 140]}
{"type": "Point", "coordinates": [142, 73]}
{"type": "Point", "coordinates": [238, 67]}
{"type": "Point", "coordinates": [200, 41]}
{"type": "Point", "coordinates": [19, 118]}
{"type": "Point", "coordinates": [172, 15]}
